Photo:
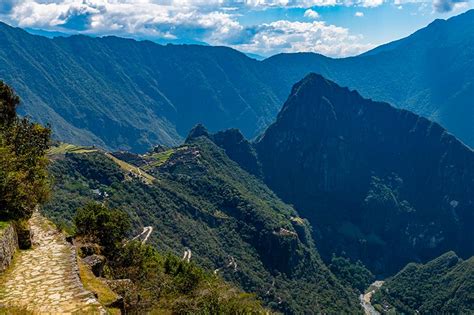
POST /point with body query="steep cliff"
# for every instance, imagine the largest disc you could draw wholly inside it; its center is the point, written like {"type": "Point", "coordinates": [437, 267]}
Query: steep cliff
{"type": "Point", "coordinates": [381, 184]}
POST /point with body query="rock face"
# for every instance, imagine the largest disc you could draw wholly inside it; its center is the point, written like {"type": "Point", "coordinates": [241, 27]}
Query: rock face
{"type": "Point", "coordinates": [381, 184]}
{"type": "Point", "coordinates": [8, 246]}
{"type": "Point", "coordinates": [96, 263]}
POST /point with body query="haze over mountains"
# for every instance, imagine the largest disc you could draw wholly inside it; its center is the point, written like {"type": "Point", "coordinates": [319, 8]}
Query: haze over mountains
{"type": "Point", "coordinates": [119, 93]}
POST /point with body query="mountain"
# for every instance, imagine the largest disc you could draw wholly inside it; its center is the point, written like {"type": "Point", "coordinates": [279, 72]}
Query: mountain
{"type": "Point", "coordinates": [196, 198]}
{"type": "Point", "coordinates": [444, 285]}
{"type": "Point", "coordinates": [122, 94]}
{"type": "Point", "coordinates": [377, 183]}
{"type": "Point", "coordinates": [430, 73]}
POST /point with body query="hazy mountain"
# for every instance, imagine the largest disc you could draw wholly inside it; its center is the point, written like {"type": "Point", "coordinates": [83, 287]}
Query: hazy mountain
{"type": "Point", "coordinates": [430, 73]}
{"type": "Point", "coordinates": [377, 183]}
{"type": "Point", "coordinates": [444, 285]}
{"type": "Point", "coordinates": [120, 93]}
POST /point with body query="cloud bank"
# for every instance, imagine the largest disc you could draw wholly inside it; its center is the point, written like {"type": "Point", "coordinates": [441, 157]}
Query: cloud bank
{"type": "Point", "coordinates": [213, 21]}
{"type": "Point", "coordinates": [443, 6]}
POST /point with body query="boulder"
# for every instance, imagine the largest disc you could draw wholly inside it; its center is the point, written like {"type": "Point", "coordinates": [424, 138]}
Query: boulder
{"type": "Point", "coordinates": [96, 263]}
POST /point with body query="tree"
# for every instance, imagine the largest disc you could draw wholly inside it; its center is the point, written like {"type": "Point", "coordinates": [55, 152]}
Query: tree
{"type": "Point", "coordinates": [23, 163]}
{"type": "Point", "coordinates": [9, 101]}
{"type": "Point", "coordinates": [108, 227]}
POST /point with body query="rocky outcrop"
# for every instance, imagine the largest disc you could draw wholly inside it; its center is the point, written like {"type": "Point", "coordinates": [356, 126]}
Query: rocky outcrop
{"type": "Point", "coordinates": [96, 263]}
{"type": "Point", "coordinates": [8, 246]}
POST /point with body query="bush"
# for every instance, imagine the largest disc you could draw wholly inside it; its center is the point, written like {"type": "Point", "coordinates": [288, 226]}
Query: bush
{"type": "Point", "coordinates": [107, 227]}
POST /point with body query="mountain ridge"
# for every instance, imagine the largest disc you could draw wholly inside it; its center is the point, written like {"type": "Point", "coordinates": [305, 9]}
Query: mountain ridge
{"type": "Point", "coordinates": [149, 93]}
{"type": "Point", "coordinates": [339, 157]}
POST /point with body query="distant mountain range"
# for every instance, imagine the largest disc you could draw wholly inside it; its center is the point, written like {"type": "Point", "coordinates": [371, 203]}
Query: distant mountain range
{"type": "Point", "coordinates": [120, 93]}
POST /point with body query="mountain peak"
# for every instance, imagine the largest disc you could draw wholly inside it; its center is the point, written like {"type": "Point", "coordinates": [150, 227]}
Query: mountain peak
{"type": "Point", "coordinates": [315, 96]}
{"type": "Point", "coordinates": [330, 150]}
{"type": "Point", "coordinates": [198, 131]}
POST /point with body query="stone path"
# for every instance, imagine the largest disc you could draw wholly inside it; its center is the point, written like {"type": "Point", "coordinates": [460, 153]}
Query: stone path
{"type": "Point", "coordinates": [45, 279]}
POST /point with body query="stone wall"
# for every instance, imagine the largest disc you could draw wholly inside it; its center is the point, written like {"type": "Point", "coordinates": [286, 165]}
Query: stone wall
{"type": "Point", "coordinates": [8, 246]}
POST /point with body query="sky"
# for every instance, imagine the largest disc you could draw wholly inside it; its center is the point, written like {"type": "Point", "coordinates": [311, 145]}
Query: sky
{"type": "Point", "coordinates": [335, 28]}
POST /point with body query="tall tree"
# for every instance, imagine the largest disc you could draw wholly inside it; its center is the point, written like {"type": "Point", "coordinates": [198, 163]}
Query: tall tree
{"type": "Point", "coordinates": [23, 162]}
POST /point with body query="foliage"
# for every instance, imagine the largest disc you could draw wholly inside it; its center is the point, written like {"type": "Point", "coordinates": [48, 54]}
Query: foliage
{"type": "Point", "coordinates": [355, 275]}
{"type": "Point", "coordinates": [160, 282]}
{"type": "Point", "coordinates": [106, 226]}
{"type": "Point", "coordinates": [23, 165]}
{"type": "Point", "coordinates": [444, 285]}
{"type": "Point", "coordinates": [91, 283]}
{"type": "Point", "coordinates": [169, 283]}
{"type": "Point", "coordinates": [203, 201]}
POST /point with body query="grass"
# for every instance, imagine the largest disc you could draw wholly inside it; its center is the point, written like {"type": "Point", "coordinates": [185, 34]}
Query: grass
{"type": "Point", "coordinates": [298, 220]}
{"type": "Point", "coordinates": [104, 294]}
{"type": "Point", "coordinates": [131, 168]}
{"type": "Point", "coordinates": [64, 148]}
{"type": "Point", "coordinates": [159, 158]}
{"type": "Point", "coordinates": [4, 225]}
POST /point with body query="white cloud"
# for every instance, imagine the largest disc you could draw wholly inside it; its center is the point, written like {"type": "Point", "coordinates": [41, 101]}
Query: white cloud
{"type": "Point", "coordinates": [371, 3]}
{"type": "Point", "coordinates": [215, 22]}
{"type": "Point", "coordinates": [311, 14]}
{"type": "Point", "coordinates": [317, 36]}
{"type": "Point", "coordinates": [443, 6]}
{"type": "Point", "coordinates": [359, 14]}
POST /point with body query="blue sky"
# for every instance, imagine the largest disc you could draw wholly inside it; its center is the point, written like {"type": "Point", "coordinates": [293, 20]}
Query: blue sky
{"type": "Point", "coordinates": [335, 28]}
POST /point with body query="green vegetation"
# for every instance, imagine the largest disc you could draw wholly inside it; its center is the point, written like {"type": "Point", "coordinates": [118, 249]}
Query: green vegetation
{"type": "Point", "coordinates": [107, 227]}
{"type": "Point", "coordinates": [3, 225]}
{"type": "Point", "coordinates": [444, 285]}
{"type": "Point", "coordinates": [158, 282]}
{"type": "Point", "coordinates": [131, 169]}
{"type": "Point", "coordinates": [204, 201]}
{"type": "Point", "coordinates": [159, 158]}
{"type": "Point", "coordinates": [355, 275]}
{"type": "Point", "coordinates": [91, 283]}
{"type": "Point", "coordinates": [23, 146]}
{"type": "Point", "coordinates": [63, 148]}
{"type": "Point", "coordinates": [367, 194]}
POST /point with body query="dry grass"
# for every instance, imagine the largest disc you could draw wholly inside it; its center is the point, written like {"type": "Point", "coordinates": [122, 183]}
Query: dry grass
{"type": "Point", "coordinates": [92, 283]}
{"type": "Point", "coordinates": [64, 148]}
{"type": "Point", "coordinates": [131, 168]}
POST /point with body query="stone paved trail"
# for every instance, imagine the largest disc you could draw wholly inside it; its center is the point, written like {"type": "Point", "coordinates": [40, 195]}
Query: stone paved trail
{"type": "Point", "coordinates": [45, 278]}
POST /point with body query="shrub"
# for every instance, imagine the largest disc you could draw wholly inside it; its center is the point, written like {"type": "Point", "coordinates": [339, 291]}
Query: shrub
{"type": "Point", "coordinates": [107, 227]}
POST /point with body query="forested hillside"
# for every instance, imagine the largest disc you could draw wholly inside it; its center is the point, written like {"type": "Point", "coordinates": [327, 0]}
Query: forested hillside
{"type": "Point", "coordinates": [444, 285]}
{"type": "Point", "coordinates": [122, 94]}
{"type": "Point", "coordinates": [196, 198]}
{"type": "Point", "coordinates": [380, 184]}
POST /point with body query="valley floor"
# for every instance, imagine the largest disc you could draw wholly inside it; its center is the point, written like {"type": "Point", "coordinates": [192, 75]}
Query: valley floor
{"type": "Point", "coordinates": [44, 279]}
